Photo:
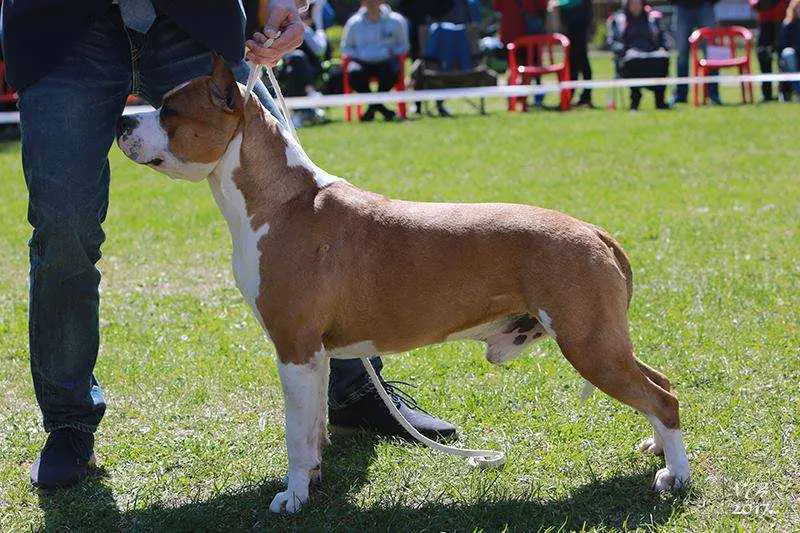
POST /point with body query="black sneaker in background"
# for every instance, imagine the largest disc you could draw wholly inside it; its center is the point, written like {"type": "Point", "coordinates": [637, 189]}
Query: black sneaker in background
{"type": "Point", "coordinates": [371, 414]}
{"type": "Point", "coordinates": [64, 460]}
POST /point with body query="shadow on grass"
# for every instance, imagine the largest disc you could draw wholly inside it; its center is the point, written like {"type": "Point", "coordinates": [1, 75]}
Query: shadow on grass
{"type": "Point", "coordinates": [622, 501]}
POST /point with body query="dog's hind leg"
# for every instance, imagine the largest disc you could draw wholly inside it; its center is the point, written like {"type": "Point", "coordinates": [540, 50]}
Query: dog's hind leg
{"type": "Point", "coordinates": [653, 445]}
{"type": "Point", "coordinates": [304, 396]}
{"type": "Point", "coordinates": [605, 358]}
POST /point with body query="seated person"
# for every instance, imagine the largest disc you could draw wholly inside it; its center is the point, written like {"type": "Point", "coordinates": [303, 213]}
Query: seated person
{"type": "Point", "coordinates": [790, 48]}
{"type": "Point", "coordinates": [373, 37]}
{"type": "Point", "coordinates": [635, 37]}
{"type": "Point", "coordinates": [301, 67]}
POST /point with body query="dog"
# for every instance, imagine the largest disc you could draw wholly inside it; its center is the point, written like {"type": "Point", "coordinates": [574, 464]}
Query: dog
{"type": "Point", "coordinates": [330, 270]}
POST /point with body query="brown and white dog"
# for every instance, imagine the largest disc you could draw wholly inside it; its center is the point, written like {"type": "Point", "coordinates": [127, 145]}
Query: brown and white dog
{"type": "Point", "coordinates": [333, 271]}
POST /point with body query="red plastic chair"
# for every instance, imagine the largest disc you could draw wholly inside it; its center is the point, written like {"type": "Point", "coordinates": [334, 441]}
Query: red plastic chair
{"type": "Point", "coordinates": [8, 96]}
{"type": "Point", "coordinates": [400, 85]}
{"type": "Point", "coordinates": [730, 38]}
{"type": "Point", "coordinates": [536, 45]}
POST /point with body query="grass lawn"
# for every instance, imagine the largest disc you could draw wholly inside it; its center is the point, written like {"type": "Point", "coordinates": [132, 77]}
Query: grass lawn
{"type": "Point", "coordinates": [705, 202]}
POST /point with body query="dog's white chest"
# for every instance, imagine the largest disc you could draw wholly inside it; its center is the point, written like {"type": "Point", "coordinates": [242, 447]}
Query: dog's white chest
{"type": "Point", "coordinates": [246, 257]}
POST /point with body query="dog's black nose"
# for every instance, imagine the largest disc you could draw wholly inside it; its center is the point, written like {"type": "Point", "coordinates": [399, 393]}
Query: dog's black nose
{"type": "Point", "coordinates": [125, 125]}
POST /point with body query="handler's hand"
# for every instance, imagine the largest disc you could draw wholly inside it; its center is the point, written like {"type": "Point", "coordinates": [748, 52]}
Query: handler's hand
{"type": "Point", "coordinates": [284, 17]}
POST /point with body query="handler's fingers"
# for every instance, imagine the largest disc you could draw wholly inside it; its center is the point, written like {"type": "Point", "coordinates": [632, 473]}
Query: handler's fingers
{"type": "Point", "coordinates": [290, 37]}
{"type": "Point", "coordinates": [262, 56]}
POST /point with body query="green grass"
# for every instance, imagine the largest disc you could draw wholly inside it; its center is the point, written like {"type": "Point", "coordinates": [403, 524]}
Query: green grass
{"type": "Point", "coordinates": [705, 202]}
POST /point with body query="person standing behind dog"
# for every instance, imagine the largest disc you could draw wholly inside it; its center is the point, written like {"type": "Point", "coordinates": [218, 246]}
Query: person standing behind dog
{"type": "Point", "coordinates": [770, 15]}
{"type": "Point", "coordinates": [373, 37]}
{"type": "Point", "coordinates": [576, 20]}
{"type": "Point", "coordinates": [690, 15]}
{"type": "Point", "coordinates": [790, 48]}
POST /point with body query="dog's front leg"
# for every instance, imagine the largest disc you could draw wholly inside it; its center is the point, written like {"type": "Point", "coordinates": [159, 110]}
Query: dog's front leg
{"type": "Point", "coordinates": [303, 396]}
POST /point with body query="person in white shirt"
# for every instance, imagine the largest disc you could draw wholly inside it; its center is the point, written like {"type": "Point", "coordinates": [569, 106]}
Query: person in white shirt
{"type": "Point", "coordinates": [374, 37]}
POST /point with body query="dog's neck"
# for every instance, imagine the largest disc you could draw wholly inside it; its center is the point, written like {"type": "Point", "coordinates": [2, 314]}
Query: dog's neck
{"type": "Point", "coordinates": [264, 173]}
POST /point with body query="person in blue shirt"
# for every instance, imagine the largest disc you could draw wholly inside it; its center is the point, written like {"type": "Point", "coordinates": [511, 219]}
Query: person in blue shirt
{"type": "Point", "coordinates": [374, 37]}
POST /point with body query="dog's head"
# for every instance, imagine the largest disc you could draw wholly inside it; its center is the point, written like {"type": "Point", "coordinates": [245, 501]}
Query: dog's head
{"type": "Point", "coordinates": [187, 136]}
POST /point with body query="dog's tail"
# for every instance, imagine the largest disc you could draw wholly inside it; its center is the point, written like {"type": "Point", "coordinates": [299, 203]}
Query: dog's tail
{"type": "Point", "coordinates": [621, 258]}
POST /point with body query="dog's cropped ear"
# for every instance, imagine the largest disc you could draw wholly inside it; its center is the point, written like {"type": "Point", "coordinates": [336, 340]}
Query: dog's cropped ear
{"type": "Point", "coordinates": [224, 90]}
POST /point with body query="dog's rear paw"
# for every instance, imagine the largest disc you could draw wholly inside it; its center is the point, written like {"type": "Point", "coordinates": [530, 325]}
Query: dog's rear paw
{"type": "Point", "coordinates": [666, 480]}
{"type": "Point", "coordinates": [288, 502]}
{"type": "Point", "coordinates": [651, 445]}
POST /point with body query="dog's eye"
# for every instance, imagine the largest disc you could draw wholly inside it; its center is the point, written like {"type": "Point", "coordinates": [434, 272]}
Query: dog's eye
{"type": "Point", "coordinates": [167, 112]}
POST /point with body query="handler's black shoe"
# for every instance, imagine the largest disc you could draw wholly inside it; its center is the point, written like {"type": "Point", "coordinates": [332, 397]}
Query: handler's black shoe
{"type": "Point", "coordinates": [65, 459]}
{"type": "Point", "coordinates": [371, 414]}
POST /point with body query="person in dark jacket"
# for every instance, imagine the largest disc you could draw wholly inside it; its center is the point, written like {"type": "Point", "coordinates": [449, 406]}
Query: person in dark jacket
{"type": "Point", "coordinates": [576, 19]}
{"type": "Point", "coordinates": [74, 64]}
{"type": "Point", "coordinates": [790, 48]}
{"type": "Point", "coordinates": [635, 37]}
{"type": "Point", "coordinates": [690, 15]}
{"type": "Point", "coordinates": [770, 15]}
{"type": "Point", "coordinates": [421, 13]}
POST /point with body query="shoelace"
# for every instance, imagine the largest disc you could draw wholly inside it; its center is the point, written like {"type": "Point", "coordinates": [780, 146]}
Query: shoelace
{"type": "Point", "coordinates": [400, 396]}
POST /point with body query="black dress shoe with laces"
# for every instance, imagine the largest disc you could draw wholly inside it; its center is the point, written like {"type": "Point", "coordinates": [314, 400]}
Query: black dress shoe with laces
{"type": "Point", "coordinates": [64, 460]}
{"type": "Point", "coordinates": [371, 414]}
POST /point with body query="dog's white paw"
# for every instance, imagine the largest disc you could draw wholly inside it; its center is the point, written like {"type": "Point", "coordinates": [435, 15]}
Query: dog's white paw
{"type": "Point", "coordinates": [288, 502]}
{"type": "Point", "coordinates": [651, 445]}
{"type": "Point", "coordinates": [666, 480]}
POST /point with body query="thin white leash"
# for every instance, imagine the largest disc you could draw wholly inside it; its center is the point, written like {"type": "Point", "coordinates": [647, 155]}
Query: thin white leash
{"type": "Point", "coordinates": [479, 458]}
{"type": "Point", "coordinates": [255, 71]}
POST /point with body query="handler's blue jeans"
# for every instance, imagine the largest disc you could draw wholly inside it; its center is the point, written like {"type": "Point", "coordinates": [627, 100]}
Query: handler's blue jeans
{"type": "Point", "coordinates": [688, 19]}
{"type": "Point", "coordinates": [68, 122]}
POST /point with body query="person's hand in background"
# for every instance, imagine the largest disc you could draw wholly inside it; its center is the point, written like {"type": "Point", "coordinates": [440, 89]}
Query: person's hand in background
{"type": "Point", "coordinates": [283, 25]}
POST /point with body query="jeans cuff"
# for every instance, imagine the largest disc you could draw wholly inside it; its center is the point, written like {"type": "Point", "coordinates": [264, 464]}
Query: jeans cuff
{"type": "Point", "coordinates": [86, 428]}
{"type": "Point", "coordinates": [365, 389]}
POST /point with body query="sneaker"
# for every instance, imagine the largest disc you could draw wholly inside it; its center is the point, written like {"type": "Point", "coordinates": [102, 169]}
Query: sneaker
{"type": "Point", "coordinates": [388, 115]}
{"type": "Point", "coordinates": [64, 460]}
{"type": "Point", "coordinates": [370, 413]}
{"type": "Point", "coordinates": [443, 112]}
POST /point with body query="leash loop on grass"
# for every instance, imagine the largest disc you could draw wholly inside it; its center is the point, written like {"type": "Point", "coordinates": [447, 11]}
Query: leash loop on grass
{"type": "Point", "coordinates": [476, 458]}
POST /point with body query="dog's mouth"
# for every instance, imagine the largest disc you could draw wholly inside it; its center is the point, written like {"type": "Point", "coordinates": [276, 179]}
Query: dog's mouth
{"type": "Point", "coordinates": [156, 161]}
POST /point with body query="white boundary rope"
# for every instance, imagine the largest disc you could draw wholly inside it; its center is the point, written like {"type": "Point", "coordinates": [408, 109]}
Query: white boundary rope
{"type": "Point", "coordinates": [503, 91]}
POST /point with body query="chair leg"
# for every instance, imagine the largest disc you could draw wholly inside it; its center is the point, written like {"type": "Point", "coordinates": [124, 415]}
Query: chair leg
{"type": "Point", "coordinates": [512, 101]}
{"type": "Point", "coordinates": [696, 88]}
{"type": "Point", "coordinates": [704, 73]}
{"type": "Point", "coordinates": [743, 84]}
